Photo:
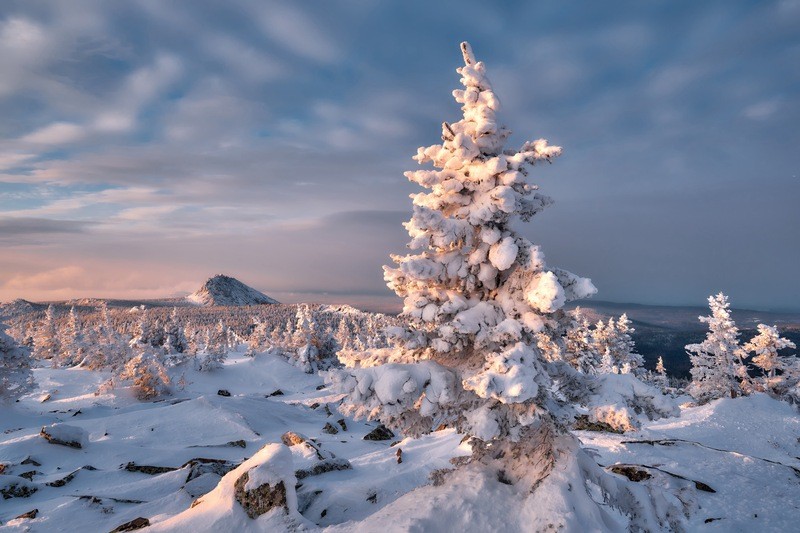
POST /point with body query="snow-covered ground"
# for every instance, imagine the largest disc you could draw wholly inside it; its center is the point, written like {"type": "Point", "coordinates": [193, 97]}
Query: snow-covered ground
{"type": "Point", "coordinates": [746, 450]}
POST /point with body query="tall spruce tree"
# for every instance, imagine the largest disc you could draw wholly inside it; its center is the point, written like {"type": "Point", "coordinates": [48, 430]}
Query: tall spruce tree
{"type": "Point", "coordinates": [717, 362]}
{"type": "Point", "coordinates": [479, 299]}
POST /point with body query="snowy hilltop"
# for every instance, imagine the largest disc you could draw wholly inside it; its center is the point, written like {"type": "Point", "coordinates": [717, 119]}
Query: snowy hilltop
{"type": "Point", "coordinates": [226, 291]}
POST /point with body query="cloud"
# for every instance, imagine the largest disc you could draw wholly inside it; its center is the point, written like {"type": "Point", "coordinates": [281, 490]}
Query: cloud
{"type": "Point", "coordinates": [14, 227]}
{"type": "Point", "coordinates": [56, 134]}
{"type": "Point", "coordinates": [270, 139]}
{"type": "Point", "coordinates": [298, 33]}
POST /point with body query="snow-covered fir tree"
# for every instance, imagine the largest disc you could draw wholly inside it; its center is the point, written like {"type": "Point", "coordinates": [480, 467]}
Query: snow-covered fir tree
{"type": "Point", "coordinates": [580, 347]}
{"type": "Point", "coordinates": [73, 342]}
{"type": "Point", "coordinates": [479, 302]}
{"type": "Point", "coordinates": [660, 378]}
{"type": "Point", "coordinates": [46, 343]}
{"type": "Point", "coordinates": [257, 341]}
{"type": "Point", "coordinates": [215, 348]}
{"type": "Point", "coordinates": [107, 347]}
{"type": "Point", "coordinates": [176, 347]}
{"type": "Point", "coordinates": [147, 373]}
{"type": "Point", "coordinates": [612, 341]}
{"type": "Point", "coordinates": [305, 341]}
{"type": "Point", "coordinates": [476, 294]}
{"type": "Point", "coordinates": [717, 362]}
{"type": "Point", "coordinates": [16, 377]}
{"type": "Point", "coordinates": [775, 369]}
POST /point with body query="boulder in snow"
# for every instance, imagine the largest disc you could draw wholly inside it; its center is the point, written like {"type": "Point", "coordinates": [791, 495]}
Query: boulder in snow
{"type": "Point", "coordinates": [133, 525]}
{"type": "Point", "coordinates": [72, 436]}
{"type": "Point", "coordinates": [379, 433]}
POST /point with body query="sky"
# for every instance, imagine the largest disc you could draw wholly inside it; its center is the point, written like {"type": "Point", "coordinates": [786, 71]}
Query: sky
{"type": "Point", "coordinates": [146, 146]}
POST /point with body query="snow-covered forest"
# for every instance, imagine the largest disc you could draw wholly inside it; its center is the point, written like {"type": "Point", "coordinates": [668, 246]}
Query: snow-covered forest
{"type": "Point", "coordinates": [488, 404]}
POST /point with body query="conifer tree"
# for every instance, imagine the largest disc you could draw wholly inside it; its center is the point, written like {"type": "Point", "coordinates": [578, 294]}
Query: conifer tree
{"type": "Point", "coordinates": [46, 340]}
{"type": "Point", "coordinates": [305, 340]}
{"type": "Point", "coordinates": [479, 303]}
{"type": "Point", "coordinates": [765, 346]}
{"type": "Point", "coordinates": [660, 378]}
{"type": "Point", "coordinates": [479, 299]}
{"type": "Point", "coordinates": [16, 377]}
{"type": "Point", "coordinates": [176, 346]}
{"type": "Point", "coordinates": [579, 346]}
{"type": "Point", "coordinates": [73, 342]}
{"type": "Point", "coordinates": [717, 362]}
{"type": "Point", "coordinates": [215, 349]}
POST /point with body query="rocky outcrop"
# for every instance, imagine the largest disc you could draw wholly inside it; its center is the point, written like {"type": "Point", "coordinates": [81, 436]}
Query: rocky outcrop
{"type": "Point", "coordinates": [260, 499]}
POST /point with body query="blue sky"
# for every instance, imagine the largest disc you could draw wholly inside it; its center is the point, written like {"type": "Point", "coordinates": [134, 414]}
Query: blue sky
{"type": "Point", "coordinates": [147, 145]}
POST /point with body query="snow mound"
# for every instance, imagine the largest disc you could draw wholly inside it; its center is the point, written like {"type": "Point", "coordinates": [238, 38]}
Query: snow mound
{"type": "Point", "coordinates": [624, 402]}
{"type": "Point", "coordinates": [226, 291]}
{"type": "Point", "coordinates": [219, 510]}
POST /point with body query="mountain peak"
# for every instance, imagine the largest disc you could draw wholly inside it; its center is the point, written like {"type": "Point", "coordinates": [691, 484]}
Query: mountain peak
{"type": "Point", "coordinates": [224, 290]}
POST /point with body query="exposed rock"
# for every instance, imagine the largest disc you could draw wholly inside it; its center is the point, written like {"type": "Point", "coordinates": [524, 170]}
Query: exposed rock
{"type": "Point", "coordinates": [327, 465]}
{"type": "Point", "coordinates": [201, 465]}
{"type": "Point", "coordinates": [136, 523]}
{"type": "Point", "coordinates": [72, 436]}
{"type": "Point", "coordinates": [277, 392]}
{"type": "Point", "coordinates": [237, 443]}
{"type": "Point", "coordinates": [290, 438]}
{"type": "Point", "coordinates": [66, 479]}
{"type": "Point", "coordinates": [379, 433]}
{"type": "Point", "coordinates": [3, 467]}
{"type": "Point", "coordinates": [16, 487]}
{"type": "Point", "coordinates": [330, 429]}
{"type": "Point", "coordinates": [30, 461]}
{"type": "Point", "coordinates": [148, 469]}
{"type": "Point", "coordinates": [399, 455]}
{"type": "Point", "coordinates": [342, 424]}
{"type": "Point", "coordinates": [631, 472]}
{"type": "Point", "coordinates": [583, 423]}
{"type": "Point", "coordinates": [29, 475]}
{"type": "Point", "coordinates": [259, 500]}
{"type": "Point", "coordinates": [30, 514]}
{"type": "Point", "coordinates": [223, 392]}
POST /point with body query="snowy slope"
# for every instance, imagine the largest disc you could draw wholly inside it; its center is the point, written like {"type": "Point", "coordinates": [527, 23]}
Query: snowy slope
{"type": "Point", "coordinates": [745, 449]}
{"type": "Point", "coordinates": [223, 291]}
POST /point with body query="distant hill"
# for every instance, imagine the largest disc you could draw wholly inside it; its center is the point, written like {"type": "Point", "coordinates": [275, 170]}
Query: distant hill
{"type": "Point", "coordinates": [221, 291]}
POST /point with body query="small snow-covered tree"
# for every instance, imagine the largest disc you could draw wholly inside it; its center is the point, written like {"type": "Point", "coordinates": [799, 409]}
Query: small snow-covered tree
{"type": "Point", "coordinates": [305, 341]}
{"type": "Point", "coordinates": [46, 343]}
{"type": "Point", "coordinates": [579, 346]}
{"type": "Point", "coordinates": [74, 346]}
{"type": "Point", "coordinates": [257, 341]}
{"type": "Point", "coordinates": [215, 348]}
{"type": "Point", "coordinates": [176, 347]}
{"type": "Point", "coordinates": [16, 377]}
{"type": "Point", "coordinates": [112, 344]}
{"type": "Point", "coordinates": [660, 378]}
{"type": "Point", "coordinates": [765, 347]}
{"type": "Point", "coordinates": [717, 362]}
{"type": "Point", "coordinates": [147, 372]}
{"type": "Point", "coordinates": [612, 340]}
